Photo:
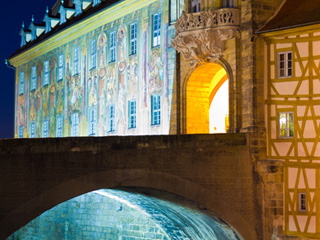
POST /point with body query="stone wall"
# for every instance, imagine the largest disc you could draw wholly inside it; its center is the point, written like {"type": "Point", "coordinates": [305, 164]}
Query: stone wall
{"type": "Point", "coordinates": [214, 171]}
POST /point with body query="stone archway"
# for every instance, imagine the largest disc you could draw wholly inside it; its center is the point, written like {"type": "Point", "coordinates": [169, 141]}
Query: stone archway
{"type": "Point", "coordinates": [127, 213]}
{"type": "Point", "coordinates": [129, 178]}
{"type": "Point", "coordinates": [202, 86]}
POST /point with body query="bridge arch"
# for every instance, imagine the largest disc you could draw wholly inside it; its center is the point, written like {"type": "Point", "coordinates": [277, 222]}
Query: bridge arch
{"type": "Point", "coordinates": [127, 178]}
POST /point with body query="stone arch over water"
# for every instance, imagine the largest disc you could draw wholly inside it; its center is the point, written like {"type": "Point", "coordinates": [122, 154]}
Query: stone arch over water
{"type": "Point", "coordinates": [127, 213]}
{"type": "Point", "coordinates": [214, 210]}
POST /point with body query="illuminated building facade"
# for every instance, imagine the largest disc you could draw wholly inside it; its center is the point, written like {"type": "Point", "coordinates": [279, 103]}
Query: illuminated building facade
{"type": "Point", "coordinates": [109, 73]}
{"type": "Point", "coordinates": [97, 68]}
{"type": "Point", "coordinates": [292, 110]}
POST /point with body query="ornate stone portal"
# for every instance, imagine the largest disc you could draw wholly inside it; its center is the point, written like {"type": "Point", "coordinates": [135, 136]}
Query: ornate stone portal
{"type": "Point", "coordinates": [200, 37]}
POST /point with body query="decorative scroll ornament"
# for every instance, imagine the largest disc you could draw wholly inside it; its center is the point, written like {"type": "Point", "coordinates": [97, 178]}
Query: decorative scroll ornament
{"type": "Point", "coordinates": [200, 37]}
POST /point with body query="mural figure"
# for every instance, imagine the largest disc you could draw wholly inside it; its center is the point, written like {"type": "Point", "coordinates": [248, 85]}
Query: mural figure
{"type": "Point", "coordinates": [155, 72]}
{"type": "Point", "coordinates": [92, 88]}
{"type": "Point", "coordinates": [132, 72]}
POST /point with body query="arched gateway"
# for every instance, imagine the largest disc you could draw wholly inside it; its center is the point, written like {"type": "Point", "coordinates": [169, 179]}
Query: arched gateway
{"type": "Point", "coordinates": [207, 100]}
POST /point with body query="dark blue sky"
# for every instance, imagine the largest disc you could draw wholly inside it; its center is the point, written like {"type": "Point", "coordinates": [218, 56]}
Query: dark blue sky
{"type": "Point", "coordinates": [13, 13]}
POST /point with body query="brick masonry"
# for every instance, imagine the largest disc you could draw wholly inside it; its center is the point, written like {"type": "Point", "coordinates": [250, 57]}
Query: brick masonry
{"type": "Point", "coordinates": [214, 171]}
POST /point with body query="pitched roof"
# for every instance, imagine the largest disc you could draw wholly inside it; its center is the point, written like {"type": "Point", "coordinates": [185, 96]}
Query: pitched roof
{"type": "Point", "coordinates": [54, 12]}
{"type": "Point", "coordinates": [294, 13]}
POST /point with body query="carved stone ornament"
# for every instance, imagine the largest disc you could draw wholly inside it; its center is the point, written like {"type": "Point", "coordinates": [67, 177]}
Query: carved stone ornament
{"type": "Point", "coordinates": [200, 37]}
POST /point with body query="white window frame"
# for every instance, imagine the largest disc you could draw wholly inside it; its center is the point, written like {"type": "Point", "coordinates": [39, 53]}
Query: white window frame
{"type": "Point", "coordinates": [133, 38]}
{"type": "Point", "coordinates": [302, 202]}
{"type": "Point", "coordinates": [93, 54]}
{"type": "Point", "coordinates": [285, 71]}
{"type": "Point", "coordinates": [60, 70]}
{"type": "Point", "coordinates": [21, 83]}
{"type": "Point", "coordinates": [46, 80]}
{"type": "Point", "coordinates": [76, 61]}
{"type": "Point", "coordinates": [92, 122]}
{"type": "Point", "coordinates": [155, 109]}
{"type": "Point", "coordinates": [20, 131]}
{"type": "Point", "coordinates": [132, 114]}
{"type": "Point", "coordinates": [59, 127]}
{"type": "Point", "coordinates": [195, 6]}
{"type": "Point", "coordinates": [111, 118]}
{"type": "Point", "coordinates": [156, 29]}
{"type": "Point", "coordinates": [286, 121]}
{"type": "Point", "coordinates": [112, 46]}
{"type": "Point", "coordinates": [33, 130]}
{"type": "Point", "coordinates": [74, 124]}
{"type": "Point", "coordinates": [45, 128]}
{"type": "Point", "coordinates": [33, 78]}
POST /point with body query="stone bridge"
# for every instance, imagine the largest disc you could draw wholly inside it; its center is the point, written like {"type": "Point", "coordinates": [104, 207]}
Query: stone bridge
{"type": "Point", "coordinates": [213, 171]}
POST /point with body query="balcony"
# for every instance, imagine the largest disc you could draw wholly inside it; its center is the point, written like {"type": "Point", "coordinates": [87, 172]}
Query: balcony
{"type": "Point", "coordinates": [200, 37]}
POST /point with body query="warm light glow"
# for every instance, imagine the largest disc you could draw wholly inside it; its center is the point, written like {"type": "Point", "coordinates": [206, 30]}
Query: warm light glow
{"type": "Point", "coordinates": [219, 110]}
{"type": "Point", "coordinates": [202, 90]}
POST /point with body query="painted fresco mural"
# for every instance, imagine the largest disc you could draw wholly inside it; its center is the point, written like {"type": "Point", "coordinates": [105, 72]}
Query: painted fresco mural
{"type": "Point", "coordinates": [78, 103]}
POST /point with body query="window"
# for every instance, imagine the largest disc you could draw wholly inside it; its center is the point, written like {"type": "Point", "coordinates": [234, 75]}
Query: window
{"type": "Point", "coordinates": [93, 120]}
{"type": "Point", "coordinates": [133, 38]}
{"type": "Point", "coordinates": [20, 133]}
{"type": "Point", "coordinates": [155, 109]}
{"type": "Point", "coordinates": [33, 130]}
{"type": "Point", "coordinates": [46, 74]}
{"type": "Point", "coordinates": [33, 78]}
{"type": "Point", "coordinates": [112, 46]}
{"type": "Point", "coordinates": [195, 6]}
{"type": "Point", "coordinates": [111, 118]}
{"type": "Point", "coordinates": [132, 113]}
{"type": "Point", "coordinates": [302, 202]}
{"type": "Point", "coordinates": [75, 124]}
{"type": "Point", "coordinates": [228, 3]}
{"type": "Point", "coordinates": [286, 124]}
{"type": "Point", "coordinates": [156, 25]}
{"type": "Point", "coordinates": [93, 54]}
{"type": "Point", "coordinates": [45, 127]}
{"type": "Point", "coordinates": [175, 10]}
{"type": "Point", "coordinates": [76, 61]}
{"type": "Point", "coordinates": [59, 129]}
{"type": "Point", "coordinates": [285, 64]}
{"type": "Point", "coordinates": [60, 74]}
{"type": "Point", "coordinates": [21, 83]}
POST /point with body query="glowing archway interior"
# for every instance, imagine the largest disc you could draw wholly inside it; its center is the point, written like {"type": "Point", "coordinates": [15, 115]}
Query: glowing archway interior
{"type": "Point", "coordinates": [127, 213]}
{"type": "Point", "coordinates": [202, 87]}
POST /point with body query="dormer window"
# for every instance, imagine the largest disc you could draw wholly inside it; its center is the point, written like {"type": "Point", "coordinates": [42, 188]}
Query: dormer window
{"type": "Point", "coordinates": [23, 36]}
{"type": "Point", "coordinates": [47, 20]}
{"type": "Point", "coordinates": [63, 13]}
{"type": "Point", "coordinates": [96, 2]}
{"type": "Point", "coordinates": [33, 30]}
{"type": "Point", "coordinates": [78, 6]}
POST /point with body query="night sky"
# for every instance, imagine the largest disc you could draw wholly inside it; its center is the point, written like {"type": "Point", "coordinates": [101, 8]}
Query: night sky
{"type": "Point", "coordinates": [12, 15]}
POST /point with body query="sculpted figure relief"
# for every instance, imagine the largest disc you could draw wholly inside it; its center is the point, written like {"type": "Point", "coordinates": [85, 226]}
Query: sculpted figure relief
{"type": "Point", "coordinates": [200, 36]}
